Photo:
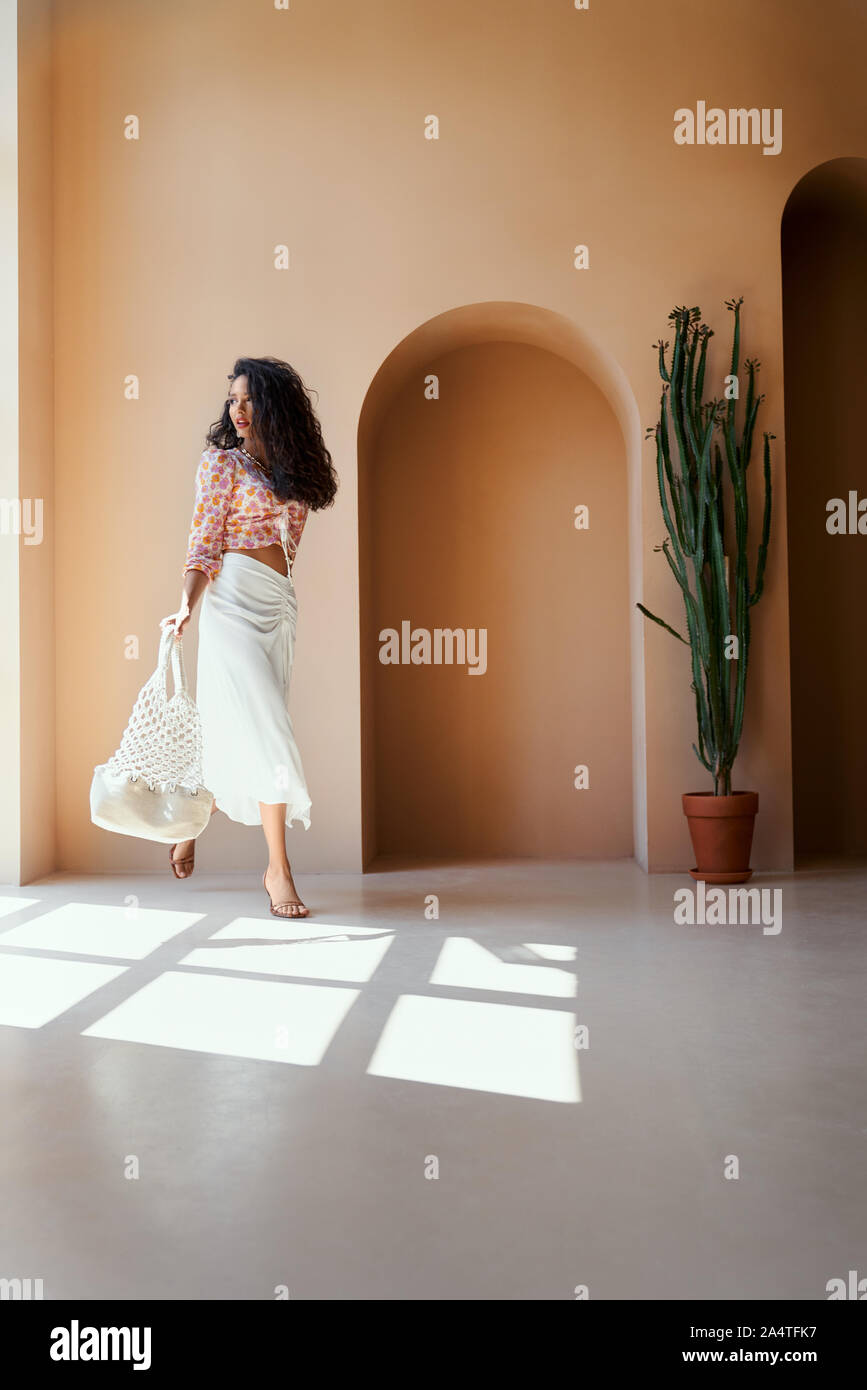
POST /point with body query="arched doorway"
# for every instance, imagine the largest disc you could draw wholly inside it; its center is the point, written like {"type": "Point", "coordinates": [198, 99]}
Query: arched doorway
{"type": "Point", "coordinates": [824, 231]}
{"type": "Point", "coordinates": [475, 449]}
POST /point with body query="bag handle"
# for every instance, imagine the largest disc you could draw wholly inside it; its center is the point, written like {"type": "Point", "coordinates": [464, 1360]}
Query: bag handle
{"type": "Point", "coordinates": [169, 645]}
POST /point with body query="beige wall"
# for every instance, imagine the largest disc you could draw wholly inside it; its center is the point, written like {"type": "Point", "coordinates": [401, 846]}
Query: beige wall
{"type": "Point", "coordinates": [307, 128]}
{"type": "Point", "coordinates": [10, 617]}
{"type": "Point", "coordinates": [39, 634]}
{"type": "Point", "coordinates": [27, 630]}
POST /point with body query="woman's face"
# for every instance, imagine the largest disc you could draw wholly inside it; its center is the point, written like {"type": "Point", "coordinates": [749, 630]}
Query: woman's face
{"type": "Point", "coordinates": [241, 409]}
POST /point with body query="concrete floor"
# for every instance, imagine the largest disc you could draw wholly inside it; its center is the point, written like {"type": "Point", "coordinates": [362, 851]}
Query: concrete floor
{"type": "Point", "coordinates": [201, 1101]}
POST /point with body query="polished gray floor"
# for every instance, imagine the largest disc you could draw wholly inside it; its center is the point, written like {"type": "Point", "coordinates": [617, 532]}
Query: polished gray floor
{"type": "Point", "coordinates": [386, 1101]}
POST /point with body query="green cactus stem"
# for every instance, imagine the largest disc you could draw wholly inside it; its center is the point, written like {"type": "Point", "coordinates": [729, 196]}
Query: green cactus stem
{"type": "Point", "coordinates": [702, 456]}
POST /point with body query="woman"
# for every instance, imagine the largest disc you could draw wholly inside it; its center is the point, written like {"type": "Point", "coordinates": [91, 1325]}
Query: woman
{"type": "Point", "coordinates": [264, 469]}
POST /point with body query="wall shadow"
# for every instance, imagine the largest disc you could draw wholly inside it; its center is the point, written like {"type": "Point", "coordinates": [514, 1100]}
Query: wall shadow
{"type": "Point", "coordinates": [823, 235]}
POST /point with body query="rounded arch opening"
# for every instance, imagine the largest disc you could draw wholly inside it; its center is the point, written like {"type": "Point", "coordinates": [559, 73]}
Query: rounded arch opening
{"type": "Point", "coordinates": [823, 231]}
{"type": "Point", "coordinates": [480, 434]}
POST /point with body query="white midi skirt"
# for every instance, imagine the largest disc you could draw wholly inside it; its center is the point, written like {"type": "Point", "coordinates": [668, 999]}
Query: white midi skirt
{"type": "Point", "coordinates": [246, 646]}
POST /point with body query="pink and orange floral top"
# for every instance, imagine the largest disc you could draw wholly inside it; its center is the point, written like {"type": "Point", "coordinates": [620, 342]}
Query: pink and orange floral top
{"type": "Point", "coordinates": [235, 511]}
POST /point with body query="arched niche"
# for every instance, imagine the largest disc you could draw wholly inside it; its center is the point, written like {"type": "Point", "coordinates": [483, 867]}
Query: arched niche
{"type": "Point", "coordinates": [823, 236]}
{"type": "Point", "coordinates": [481, 432]}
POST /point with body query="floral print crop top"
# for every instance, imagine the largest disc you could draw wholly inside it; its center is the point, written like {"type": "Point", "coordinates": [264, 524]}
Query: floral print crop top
{"type": "Point", "coordinates": [234, 510]}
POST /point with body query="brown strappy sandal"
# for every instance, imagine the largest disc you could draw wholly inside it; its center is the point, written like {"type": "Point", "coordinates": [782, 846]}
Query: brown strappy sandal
{"type": "Point", "coordinates": [287, 916]}
{"type": "Point", "coordinates": [187, 859]}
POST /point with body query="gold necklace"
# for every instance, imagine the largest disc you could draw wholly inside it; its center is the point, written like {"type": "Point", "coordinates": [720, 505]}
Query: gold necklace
{"type": "Point", "coordinates": [248, 455]}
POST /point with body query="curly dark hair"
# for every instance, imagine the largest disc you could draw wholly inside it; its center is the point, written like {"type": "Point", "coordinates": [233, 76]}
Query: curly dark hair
{"type": "Point", "coordinates": [299, 468]}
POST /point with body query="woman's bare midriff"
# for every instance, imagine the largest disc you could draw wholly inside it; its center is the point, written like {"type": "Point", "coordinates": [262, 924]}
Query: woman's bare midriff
{"type": "Point", "coordinates": [269, 555]}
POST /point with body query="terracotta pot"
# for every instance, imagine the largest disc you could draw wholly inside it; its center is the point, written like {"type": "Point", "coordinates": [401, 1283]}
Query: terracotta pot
{"type": "Point", "coordinates": [721, 830]}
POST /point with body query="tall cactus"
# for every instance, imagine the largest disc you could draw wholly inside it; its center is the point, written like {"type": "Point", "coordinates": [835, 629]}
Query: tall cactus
{"type": "Point", "coordinates": [696, 443]}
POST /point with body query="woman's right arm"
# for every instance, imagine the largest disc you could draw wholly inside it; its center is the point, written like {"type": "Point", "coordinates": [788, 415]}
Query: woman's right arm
{"type": "Point", "coordinates": [195, 583]}
{"type": "Point", "coordinates": [214, 483]}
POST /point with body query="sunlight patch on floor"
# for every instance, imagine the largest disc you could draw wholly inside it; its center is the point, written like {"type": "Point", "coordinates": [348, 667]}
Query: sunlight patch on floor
{"type": "Point", "coordinates": [35, 989]}
{"type": "Point", "coordinates": [465, 964]}
{"type": "Point", "coordinates": [88, 929]}
{"type": "Point", "coordinates": [10, 905]}
{"type": "Point", "coordinates": [324, 951]}
{"type": "Point", "coordinates": [506, 1049]}
{"type": "Point", "coordinates": [259, 1019]}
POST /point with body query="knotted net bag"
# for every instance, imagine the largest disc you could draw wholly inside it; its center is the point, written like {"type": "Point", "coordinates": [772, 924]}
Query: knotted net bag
{"type": "Point", "coordinates": [152, 786]}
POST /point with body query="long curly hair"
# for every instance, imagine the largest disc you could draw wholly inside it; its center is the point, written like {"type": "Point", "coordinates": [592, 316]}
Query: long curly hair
{"type": "Point", "coordinates": [299, 467]}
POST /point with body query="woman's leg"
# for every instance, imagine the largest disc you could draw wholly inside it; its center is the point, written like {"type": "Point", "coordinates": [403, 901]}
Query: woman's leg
{"type": "Point", "coordinates": [184, 848]}
{"type": "Point", "coordinates": [278, 875]}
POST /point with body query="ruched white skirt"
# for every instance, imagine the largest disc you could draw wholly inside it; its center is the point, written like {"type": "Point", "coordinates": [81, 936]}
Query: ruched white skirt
{"type": "Point", "coordinates": [246, 645]}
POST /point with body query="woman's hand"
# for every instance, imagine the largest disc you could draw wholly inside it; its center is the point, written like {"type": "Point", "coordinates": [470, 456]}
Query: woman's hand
{"type": "Point", "coordinates": [177, 620]}
{"type": "Point", "coordinates": [195, 584]}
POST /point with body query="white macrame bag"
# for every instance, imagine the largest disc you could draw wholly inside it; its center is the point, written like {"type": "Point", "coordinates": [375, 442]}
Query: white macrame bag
{"type": "Point", "coordinates": [152, 786]}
